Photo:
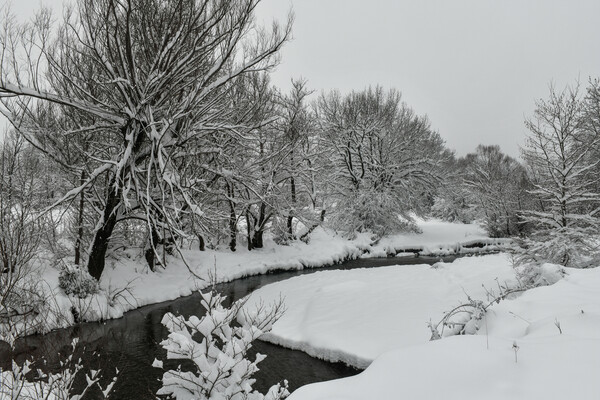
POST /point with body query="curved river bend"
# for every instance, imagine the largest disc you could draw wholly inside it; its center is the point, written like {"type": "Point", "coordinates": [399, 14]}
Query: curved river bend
{"type": "Point", "coordinates": [131, 343]}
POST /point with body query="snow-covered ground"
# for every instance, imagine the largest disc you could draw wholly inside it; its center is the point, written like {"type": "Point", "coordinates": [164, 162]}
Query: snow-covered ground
{"type": "Point", "coordinates": [354, 316]}
{"type": "Point", "coordinates": [439, 238]}
{"type": "Point", "coordinates": [325, 248]}
{"type": "Point", "coordinates": [381, 314]}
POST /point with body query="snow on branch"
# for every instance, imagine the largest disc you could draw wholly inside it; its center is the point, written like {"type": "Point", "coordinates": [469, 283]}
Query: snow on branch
{"type": "Point", "coordinates": [220, 367]}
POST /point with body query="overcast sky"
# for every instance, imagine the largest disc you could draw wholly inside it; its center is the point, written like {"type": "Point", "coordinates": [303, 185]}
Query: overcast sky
{"type": "Point", "coordinates": [475, 67]}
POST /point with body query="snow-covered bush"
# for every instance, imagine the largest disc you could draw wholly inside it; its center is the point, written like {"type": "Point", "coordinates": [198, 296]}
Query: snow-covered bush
{"type": "Point", "coordinates": [26, 382]}
{"type": "Point", "coordinates": [378, 212]}
{"type": "Point", "coordinates": [529, 262]}
{"type": "Point", "coordinates": [567, 246]}
{"type": "Point", "coordinates": [534, 274]}
{"type": "Point", "coordinates": [25, 301]}
{"type": "Point", "coordinates": [77, 282]}
{"type": "Point", "coordinates": [22, 296]}
{"type": "Point", "coordinates": [220, 369]}
{"type": "Point", "coordinates": [452, 209]}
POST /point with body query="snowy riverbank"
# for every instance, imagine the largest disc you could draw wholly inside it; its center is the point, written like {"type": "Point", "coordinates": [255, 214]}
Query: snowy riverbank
{"type": "Point", "coordinates": [380, 314]}
{"type": "Point", "coordinates": [127, 284]}
{"type": "Point", "coordinates": [355, 316]}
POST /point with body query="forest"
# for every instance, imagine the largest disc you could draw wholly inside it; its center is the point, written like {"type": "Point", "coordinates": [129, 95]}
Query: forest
{"type": "Point", "coordinates": [147, 131]}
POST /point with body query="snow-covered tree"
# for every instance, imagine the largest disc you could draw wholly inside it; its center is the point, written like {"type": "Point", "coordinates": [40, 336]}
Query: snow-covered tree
{"type": "Point", "coordinates": [220, 367]}
{"type": "Point", "coordinates": [452, 201]}
{"type": "Point", "coordinates": [229, 180]}
{"type": "Point", "coordinates": [381, 155]}
{"type": "Point", "coordinates": [22, 233]}
{"type": "Point", "coordinates": [496, 184]}
{"type": "Point", "coordinates": [255, 192]}
{"type": "Point", "coordinates": [565, 179]}
{"type": "Point", "coordinates": [591, 116]}
{"type": "Point", "coordinates": [267, 179]}
{"type": "Point", "coordinates": [153, 77]}
{"type": "Point", "coordinates": [296, 125]}
{"type": "Point", "coordinates": [592, 108]}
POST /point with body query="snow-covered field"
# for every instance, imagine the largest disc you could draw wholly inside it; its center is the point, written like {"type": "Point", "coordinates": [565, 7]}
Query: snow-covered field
{"type": "Point", "coordinates": [380, 314]}
{"type": "Point", "coordinates": [325, 248]}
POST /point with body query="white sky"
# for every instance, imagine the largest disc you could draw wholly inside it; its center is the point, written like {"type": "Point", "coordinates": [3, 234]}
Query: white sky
{"type": "Point", "coordinates": [474, 66]}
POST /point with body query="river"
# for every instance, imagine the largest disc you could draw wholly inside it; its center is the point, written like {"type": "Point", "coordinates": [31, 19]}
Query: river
{"type": "Point", "coordinates": [131, 343]}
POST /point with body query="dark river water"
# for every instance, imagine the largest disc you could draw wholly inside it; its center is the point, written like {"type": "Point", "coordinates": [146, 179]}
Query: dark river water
{"type": "Point", "coordinates": [131, 343]}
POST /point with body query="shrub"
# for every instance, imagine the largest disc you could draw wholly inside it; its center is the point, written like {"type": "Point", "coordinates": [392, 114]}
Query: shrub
{"type": "Point", "coordinates": [77, 282]}
{"type": "Point", "coordinates": [26, 382]}
{"type": "Point", "coordinates": [220, 369]}
{"type": "Point", "coordinates": [568, 246]}
{"type": "Point", "coordinates": [378, 212]}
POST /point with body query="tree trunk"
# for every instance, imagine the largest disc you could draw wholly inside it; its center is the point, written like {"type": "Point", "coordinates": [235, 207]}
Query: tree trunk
{"type": "Point", "coordinates": [259, 226]}
{"type": "Point", "coordinates": [312, 228]}
{"type": "Point", "coordinates": [290, 218]}
{"type": "Point", "coordinates": [102, 236]}
{"type": "Point", "coordinates": [249, 231]}
{"type": "Point", "coordinates": [232, 220]}
{"type": "Point", "coordinates": [79, 240]}
{"type": "Point", "coordinates": [232, 231]}
{"type": "Point", "coordinates": [290, 225]}
{"type": "Point", "coordinates": [257, 240]}
{"type": "Point", "coordinates": [151, 252]}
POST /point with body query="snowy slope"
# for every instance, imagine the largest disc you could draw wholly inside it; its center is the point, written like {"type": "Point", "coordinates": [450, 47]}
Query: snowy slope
{"type": "Point", "coordinates": [354, 316]}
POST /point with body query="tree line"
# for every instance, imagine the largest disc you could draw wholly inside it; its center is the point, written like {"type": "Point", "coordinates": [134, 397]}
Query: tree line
{"type": "Point", "coordinates": [155, 124]}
